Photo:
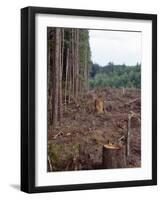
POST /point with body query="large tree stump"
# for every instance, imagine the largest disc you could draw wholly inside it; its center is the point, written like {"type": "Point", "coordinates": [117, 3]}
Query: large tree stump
{"type": "Point", "coordinates": [114, 156]}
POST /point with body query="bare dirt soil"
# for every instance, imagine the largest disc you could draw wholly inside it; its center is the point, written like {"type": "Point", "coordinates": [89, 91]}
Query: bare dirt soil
{"type": "Point", "coordinates": [77, 142]}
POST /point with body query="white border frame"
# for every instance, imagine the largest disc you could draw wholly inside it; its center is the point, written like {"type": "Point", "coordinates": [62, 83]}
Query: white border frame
{"type": "Point", "coordinates": [44, 178]}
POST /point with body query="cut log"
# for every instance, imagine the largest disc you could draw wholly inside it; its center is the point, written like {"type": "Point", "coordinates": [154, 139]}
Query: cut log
{"type": "Point", "coordinates": [114, 156]}
{"type": "Point", "coordinates": [133, 101]}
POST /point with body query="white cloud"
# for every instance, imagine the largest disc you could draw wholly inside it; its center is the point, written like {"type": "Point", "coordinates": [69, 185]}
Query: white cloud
{"type": "Point", "coordinates": [116, 46]}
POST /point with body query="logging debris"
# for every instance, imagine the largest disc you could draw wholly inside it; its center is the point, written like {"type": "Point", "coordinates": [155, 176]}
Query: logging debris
{"type": "Point", "coordinates": [77, 143]}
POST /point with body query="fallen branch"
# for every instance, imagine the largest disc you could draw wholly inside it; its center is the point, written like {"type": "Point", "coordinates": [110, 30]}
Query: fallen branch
{"type": "Point", "coordinates": [121, 138]}
{"type": "Point", "coordinates": [133, 101]}
{"type": "Point", "coordinates": [135, 115]}
{"type": "Point", "coordinates": [57, 135]}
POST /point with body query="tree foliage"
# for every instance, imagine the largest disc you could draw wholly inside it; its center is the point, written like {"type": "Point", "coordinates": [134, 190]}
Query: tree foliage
{"type": "Point", "coordinates": [115, 76]}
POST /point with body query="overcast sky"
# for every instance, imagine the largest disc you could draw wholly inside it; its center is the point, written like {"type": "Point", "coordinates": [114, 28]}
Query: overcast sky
{"type": "Point", "coordinates": [115, 46]}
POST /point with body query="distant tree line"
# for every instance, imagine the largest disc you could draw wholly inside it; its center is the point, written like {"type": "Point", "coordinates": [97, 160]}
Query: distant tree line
{"type": "Point", "coordinates": [116, 76]}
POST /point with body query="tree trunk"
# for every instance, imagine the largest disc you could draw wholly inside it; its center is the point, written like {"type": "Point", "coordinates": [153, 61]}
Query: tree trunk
{"type": "Point", "coordinates": [73, 63]}
{"type": "Point", "coordinates": [66, 79]}
{"type": "Point", "coordinates": [70, 75]}
{"type": "Point", "coordinates": [56, 77]}
{"type": "Point", "coordinates": [49, 105]}
{"type": "Point", "coordinates": [114, 156]}
{"type": "Point", "coordinates": [61, 50]}
{"type": "Point", "coordinates": [77, 63]}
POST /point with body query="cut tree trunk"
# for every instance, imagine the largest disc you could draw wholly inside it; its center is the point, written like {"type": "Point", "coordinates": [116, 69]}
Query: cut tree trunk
{"type": "Point", "coordinates": [114, 156]}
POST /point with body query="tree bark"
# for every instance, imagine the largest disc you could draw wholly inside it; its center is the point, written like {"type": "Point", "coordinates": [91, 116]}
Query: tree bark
{"type": "Point", "coordinates": [66, 79]}
{"type": "Point", "coordinates": [49, 105]}
{"type": "Point", "coordinates": [56, 76]}
{"type": "Point", "coordinates": [60, 75]}
{"type": "Point", "coordinates": [77, 63]}
{"type": "Point", "coordinates": [70, 75]}
{"type": "Point", "coordinates": [73, 62]}
{"type": "Point", "coordinates": [114, 156]}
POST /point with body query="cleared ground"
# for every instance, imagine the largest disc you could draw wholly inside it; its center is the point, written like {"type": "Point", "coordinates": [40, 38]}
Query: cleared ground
{"type": "Point", "coordinates": [77, 143]}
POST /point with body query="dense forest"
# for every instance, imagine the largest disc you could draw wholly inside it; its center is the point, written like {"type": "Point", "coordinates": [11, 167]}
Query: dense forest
{"type": "Point", "coordinates": [69, 60]}
{"type": "Point", "coordinates": [115, 76]}
{"type": "Point", "coordinates": [93, 111]}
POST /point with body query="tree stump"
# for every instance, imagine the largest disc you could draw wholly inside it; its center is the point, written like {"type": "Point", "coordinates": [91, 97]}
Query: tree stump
{"type": "Point", "coordinates": [114, 156]}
